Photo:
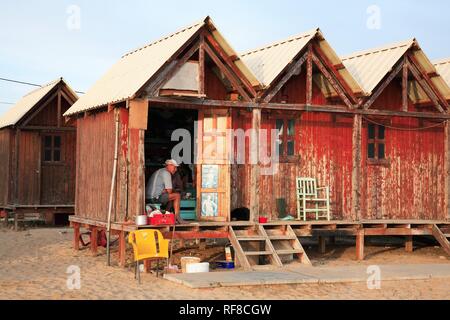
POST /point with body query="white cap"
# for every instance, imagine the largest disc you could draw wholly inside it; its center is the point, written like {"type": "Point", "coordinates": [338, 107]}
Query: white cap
{"type": "Point", "coordinates": [172, 162]}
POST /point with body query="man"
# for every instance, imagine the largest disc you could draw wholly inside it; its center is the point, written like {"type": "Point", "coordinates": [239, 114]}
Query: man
{"type": "Point", "coordinates": [160, 189]}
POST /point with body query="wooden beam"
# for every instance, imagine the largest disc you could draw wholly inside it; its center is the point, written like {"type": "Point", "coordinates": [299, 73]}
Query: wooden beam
{"type": "Point", "coordinates": [227, 73]}
{"type": "Point", "coordinates": [94, 237]}
{"type": "Point", "coordinates": [441, 238]}
{"type": "Point", "coordinates": [383, 85]}
{"type": "Point", "coordinates": [76, 236]}
{"type": "Point", "coordinates": [291, 71]}
{"type": "Point", "coordinates": [360, 245]}
{"type": "Point", "coordinates": [254, 166]}
{"type": "Point", "coordinates": [336, 86]}
{"type": "Point", "coordinates": [419, 76]}
{"type": "Point", "coordinates": [336, 73]}
{"type": "Point", "coordinates": [44, 128]}
{"type": "Point", "coordinates": [122, 249]}
{"type": "Point", "coordinates": [409, 245]}
{"type": "Point", "coordinates": [447, 168]}
{"type": "Point", "coordinates": [201, 66]}
{"type": "Point", "coordinates": [204, 103]}
{"type": "Point", "coordinates": [405, 87]}
{"type": "Point", "coordinates": [58, 112]}
{"type": "Point", "coordinates": [356, 166]}
{"type": "Point", "coordinates": [322, 244]}
{"type": "Point", "coordinates": [427, 80]}
{"type": "Point", "coordinates": [230, 62]}
{"type": "Point", "coordinates": [309, 76]}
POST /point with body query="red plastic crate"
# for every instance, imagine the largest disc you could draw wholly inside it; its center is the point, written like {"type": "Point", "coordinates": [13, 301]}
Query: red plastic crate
{"type": "Point", "coordinates": [162, 219]}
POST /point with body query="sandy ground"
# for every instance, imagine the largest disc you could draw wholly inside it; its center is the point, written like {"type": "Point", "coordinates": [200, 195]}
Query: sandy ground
{"type": "Point", "coordinates": [34, 264]}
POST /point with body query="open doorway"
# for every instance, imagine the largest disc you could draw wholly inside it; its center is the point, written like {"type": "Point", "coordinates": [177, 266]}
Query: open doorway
{"type": "Point", "coordinates": [162, 122]}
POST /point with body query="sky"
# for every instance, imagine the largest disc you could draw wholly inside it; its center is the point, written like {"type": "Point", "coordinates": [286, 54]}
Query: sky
{"type": "Point", "coordinates": [79, 40]}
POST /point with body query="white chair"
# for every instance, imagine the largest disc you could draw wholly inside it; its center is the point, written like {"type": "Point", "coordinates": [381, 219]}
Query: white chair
{"type": "Point", "coordinates": [308, 193]}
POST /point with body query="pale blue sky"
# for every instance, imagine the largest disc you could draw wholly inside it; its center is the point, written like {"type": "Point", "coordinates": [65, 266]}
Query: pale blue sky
{"type": "Point", "coordinates": [36, 45]}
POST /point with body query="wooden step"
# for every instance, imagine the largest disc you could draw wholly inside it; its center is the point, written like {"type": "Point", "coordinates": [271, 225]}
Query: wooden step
{"type": "Point", "coordinates": [289, 251]}
{"type": "Point", "coordinates": [257, 253]}
{"type": "Point", "coordinates": [282, 237]}
{"type": "Point", "coordinates": [251, 238]}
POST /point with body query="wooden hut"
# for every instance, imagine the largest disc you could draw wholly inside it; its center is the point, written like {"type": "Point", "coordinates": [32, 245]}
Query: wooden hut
{"type": "Point", "coordinates": [37, 155]}
{"type": "Point", "coordinates": [317, 105]}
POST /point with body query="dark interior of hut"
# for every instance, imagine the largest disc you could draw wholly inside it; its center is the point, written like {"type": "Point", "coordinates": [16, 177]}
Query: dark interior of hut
{"type": "Point", "coordinates": [162, 123]}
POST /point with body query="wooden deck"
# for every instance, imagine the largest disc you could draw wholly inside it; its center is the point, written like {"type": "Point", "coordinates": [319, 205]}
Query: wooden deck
{"type": "Point", "coordinates": [320, 229]}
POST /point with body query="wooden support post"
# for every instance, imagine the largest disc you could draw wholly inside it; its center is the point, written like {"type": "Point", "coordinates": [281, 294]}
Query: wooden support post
{"type": "Point", "coordinates": [147, 266]}
{"type": "Point", "coordinates": [409, 246]}
{"type": "Point", "coordinates": [405, 86]}
{"type": "Point", "coordinates": [255, 170]}
{"type": "Point", "coordinates": [356, 166]}
{"type": "Point", "coordinates": [309, 73]}
{"type": "Point", "coordinates": [122, 249]}
{"type": "Point", "coordinates": [201, 245]}
{"type": "Point", "coordinates": [322, 244]}
{"type": "Point", "coordinates": [76, 236]}
{"type": "Point", "coordinates": [360, 245]}
{"type": "Point", "coordinates": [332, 240]}
{"type": "Point", "coordinates": [447, 167]}
{"type": "Point", "coordinates": [16, 221]}
{"type": "Point", "coordinates": [94, 237]}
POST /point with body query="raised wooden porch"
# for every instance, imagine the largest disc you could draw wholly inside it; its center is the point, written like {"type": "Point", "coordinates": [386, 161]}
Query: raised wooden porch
{"type": "Point", "coordinates": [321, 229]}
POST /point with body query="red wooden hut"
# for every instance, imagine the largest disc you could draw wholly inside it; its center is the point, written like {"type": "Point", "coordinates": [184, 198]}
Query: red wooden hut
{"type": "Point", "coordinates": [321, 111]}
{"type": "Point", "coordinates": [37, 155]}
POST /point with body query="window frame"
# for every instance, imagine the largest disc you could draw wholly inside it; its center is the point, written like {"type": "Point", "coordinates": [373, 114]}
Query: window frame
{"type": "Point", "coordinates": [376, 141]}
{"type": "Point", "coordinates": [287, 138]}
{"type": "Point", "coordinates": [53, 148]}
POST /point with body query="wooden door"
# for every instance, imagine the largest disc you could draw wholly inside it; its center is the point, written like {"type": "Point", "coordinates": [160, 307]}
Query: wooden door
{"type": "Point", "coordinates": [213, 166]}
{"type": "Point", "coordinates": [29, 168]}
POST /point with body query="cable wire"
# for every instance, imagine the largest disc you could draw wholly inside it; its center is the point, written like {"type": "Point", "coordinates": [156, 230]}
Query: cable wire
{"type": "Point", "coordinates": [405, 129]}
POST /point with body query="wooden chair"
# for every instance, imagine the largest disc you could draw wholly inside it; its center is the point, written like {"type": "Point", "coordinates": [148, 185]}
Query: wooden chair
{"type": "Point", "coordinates": [308, 193]}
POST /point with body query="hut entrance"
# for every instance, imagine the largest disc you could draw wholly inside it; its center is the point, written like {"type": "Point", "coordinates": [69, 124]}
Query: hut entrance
{"type": "Point", "coordinates": [205, 169]}
{"type": "Point", "coordinates": [170, 134]}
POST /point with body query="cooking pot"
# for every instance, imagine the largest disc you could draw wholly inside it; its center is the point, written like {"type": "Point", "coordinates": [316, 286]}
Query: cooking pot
{"type": "Point", "coordinates": [141, 220]}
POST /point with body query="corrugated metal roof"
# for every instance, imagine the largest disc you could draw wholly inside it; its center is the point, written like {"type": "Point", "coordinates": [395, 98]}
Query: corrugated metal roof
{"type": "Point", "coordinates": [134, 69]}
{"type": "Point", "coordinates": [26, 103]}
{"type": "Point", "coordinates": [369, 67]}
{"type": "Point", "coordinates": [443, 68]}
{"type": "Point", "coordinates": [269, 61]}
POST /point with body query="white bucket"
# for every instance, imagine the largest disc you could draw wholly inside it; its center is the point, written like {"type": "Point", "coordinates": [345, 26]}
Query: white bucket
{"type": "Point", "coordinates": [197, 267]}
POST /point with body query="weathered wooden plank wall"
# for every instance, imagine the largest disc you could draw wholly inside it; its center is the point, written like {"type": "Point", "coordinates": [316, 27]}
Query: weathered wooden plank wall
{"type": "Point", "coordinates": [95, 157]}
{"type": "Point", "coordinates": [412, 184]}
{"type": "Point", "coordinates": [5, 162]}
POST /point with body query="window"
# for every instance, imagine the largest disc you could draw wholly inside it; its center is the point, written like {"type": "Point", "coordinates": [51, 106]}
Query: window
{"type": "Point", "coordinates": [52, 148]}
{"type": "Point", "coordinates": [376, 149]}
{"type": "Point", "coordinates": [286, 137]}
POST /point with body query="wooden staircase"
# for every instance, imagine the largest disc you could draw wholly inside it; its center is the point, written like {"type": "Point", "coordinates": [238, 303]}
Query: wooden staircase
{"type": "Point", "coordinates": [264, 247]}
{"type": "Point", "coordinates": [442, 235]}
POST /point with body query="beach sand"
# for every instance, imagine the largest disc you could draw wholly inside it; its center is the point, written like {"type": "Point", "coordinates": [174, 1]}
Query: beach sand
{"type": "Point", "coordinates": [34, 264]}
